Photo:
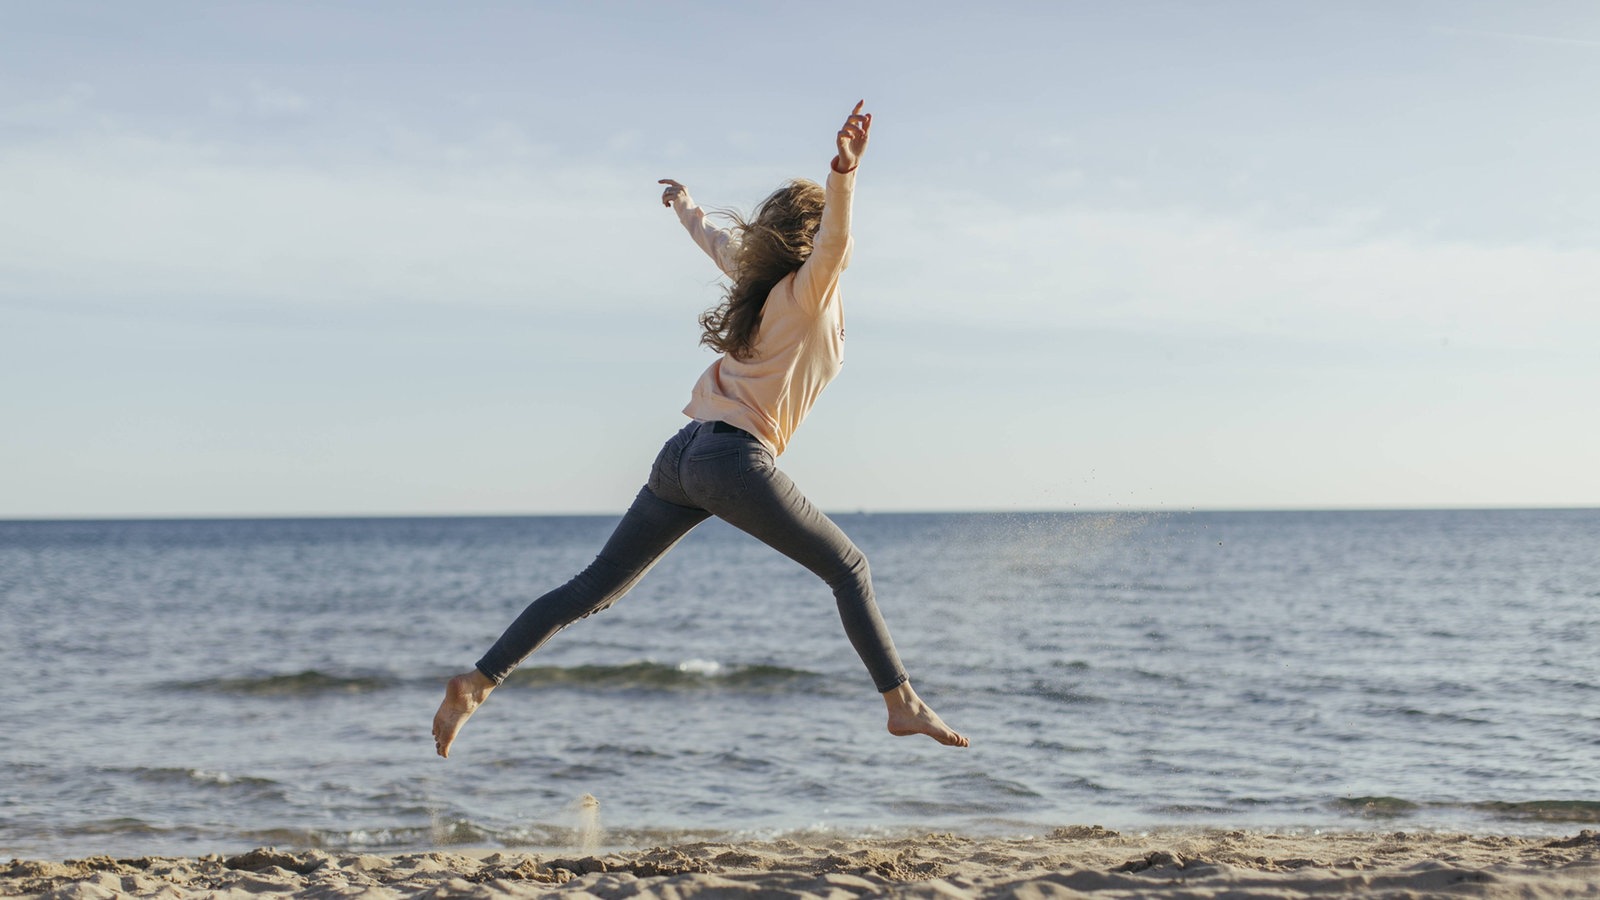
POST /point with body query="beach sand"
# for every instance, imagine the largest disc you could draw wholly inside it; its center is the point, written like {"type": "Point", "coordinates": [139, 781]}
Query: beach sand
{"type": "Point", "coordinates": [1068, 862]}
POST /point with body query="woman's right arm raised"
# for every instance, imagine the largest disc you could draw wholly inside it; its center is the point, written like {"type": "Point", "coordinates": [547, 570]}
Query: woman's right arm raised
{"type": "Point", "coordinates": [716, 242]}
{"type": "Point", "coordinates": [830, 250]}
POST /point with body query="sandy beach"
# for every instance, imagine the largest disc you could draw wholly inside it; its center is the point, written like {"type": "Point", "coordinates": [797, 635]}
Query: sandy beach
{"type": "Point", "coordinates": [1067, 862]}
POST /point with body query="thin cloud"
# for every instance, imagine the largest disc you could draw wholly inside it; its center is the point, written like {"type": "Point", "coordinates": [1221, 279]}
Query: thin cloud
{"type": "Point", "coordinates": [271, 100]}
{"type": "Point", "coordinates": [70, 104]}
{"type": "Point", "coordinates": [138, 219]}
{"type": "Point", "coordinates": [1214, 274]}
{"type": "Point", "coordinates": [1514, 36]}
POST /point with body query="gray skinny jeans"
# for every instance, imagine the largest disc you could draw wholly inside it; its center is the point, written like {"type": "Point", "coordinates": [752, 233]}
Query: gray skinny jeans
{"type": "Point", "coordinates": [699, 473]}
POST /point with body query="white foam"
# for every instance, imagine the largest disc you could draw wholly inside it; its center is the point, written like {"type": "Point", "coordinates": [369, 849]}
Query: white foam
{"type": "Point", "coordinates": [700, 666]}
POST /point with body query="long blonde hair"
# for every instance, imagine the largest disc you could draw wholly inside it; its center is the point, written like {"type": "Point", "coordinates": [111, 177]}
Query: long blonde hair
{"type": "Point", "coordinates": [770, 248]}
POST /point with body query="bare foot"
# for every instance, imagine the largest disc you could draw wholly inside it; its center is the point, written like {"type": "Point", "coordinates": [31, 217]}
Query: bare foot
{"type": "Point", "coordinates": [909, 715]}
{"type": "Point", "coordinates": [465, 693]}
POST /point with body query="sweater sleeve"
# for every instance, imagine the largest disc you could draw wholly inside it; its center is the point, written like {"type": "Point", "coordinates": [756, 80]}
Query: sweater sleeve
{"type": "Point", "coordinates": [718, 243]}
{"type": "Point", "coordinates": [830, 250]}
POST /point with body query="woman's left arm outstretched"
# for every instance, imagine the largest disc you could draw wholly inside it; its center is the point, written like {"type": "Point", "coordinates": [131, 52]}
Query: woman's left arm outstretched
{"type": "Point", "coordinates": [718, 243]}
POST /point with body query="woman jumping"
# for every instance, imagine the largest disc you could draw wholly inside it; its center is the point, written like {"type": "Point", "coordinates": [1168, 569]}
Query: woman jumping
{"type": "Point", "coordinates": [780, 331]}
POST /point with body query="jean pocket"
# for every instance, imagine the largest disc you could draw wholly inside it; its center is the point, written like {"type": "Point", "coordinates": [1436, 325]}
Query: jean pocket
{"type": "Point", "coordinates": [757, 458]}
{"type": "Point", "coordinates": [663, 480]}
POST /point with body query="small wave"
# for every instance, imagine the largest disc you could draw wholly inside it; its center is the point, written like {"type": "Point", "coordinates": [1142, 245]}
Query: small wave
{"type": "Point", "coordinates": [1449, 718]}
{"type": "Point", "coordinates": [1139, 587]}
{"type": "Point", "coordinates": [360, 838]}
{"type": "Point", "coordinates": [1059, 694]}
{"type": "Point", "coordinates": [298, 684]}
{"type": "Point", "coordinates": [443, 832]}
{"type": "Point", "coordinates": [456, 831]}
{"type": "Point", "coordinates": [584, 771]}
{"type": "Point", "coordinates": [1544, 810]}
{"type": "Point", "coordinates": [203, 777]}
{"type": "Point", "coordinates": [933, 810]}
{"type": "Point", "coordinates": [1376, 807]}
{"type": "Point", "coordinates": [978, 783]}
{"type": "Point", "coordinates": [620, 751]}
{"type": "Point", "coordinates": [122, 825]}
{"type": "Point", "coordinates": [690, 675]}
{"type": "Point", "coordinates": [735, 762]}
{"type": "Point", "coordinates": [1566, 684]}
{"type": "Point", "coordinates": [1083, 784]}
{"type": "Point", "coordinates": [1058, 747]}
{"type": "Point", "coordinates": [1191, 809]}
{"type": "Point", "coordinates": [1165, 677]}
{"type": "Point", "coordinates": [1527, 810]}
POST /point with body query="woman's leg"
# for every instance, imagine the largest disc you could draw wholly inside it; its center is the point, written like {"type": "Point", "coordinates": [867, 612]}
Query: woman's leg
{"type": "Point", "coordinates": [646, 532]}
{"type": "Point", "coordinates": [745, 489]}
{"type": "Point", "coordinates": [772, 509]}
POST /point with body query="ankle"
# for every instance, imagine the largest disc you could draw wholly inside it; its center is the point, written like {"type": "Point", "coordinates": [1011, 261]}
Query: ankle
{"type": "Point", "coordinates": [475, 683]}
{"type": "Point", "coordinates": [901, 696]}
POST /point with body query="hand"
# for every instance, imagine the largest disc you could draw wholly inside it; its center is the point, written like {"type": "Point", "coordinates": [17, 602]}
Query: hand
{"type": "Point", "coordinates": [673, 192]}
{"type": "Point", "coordinates": [853, 139]}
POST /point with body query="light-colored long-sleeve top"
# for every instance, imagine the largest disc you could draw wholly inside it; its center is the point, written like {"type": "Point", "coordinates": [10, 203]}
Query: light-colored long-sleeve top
{"type": "Point", "coordinates": [799, 345]}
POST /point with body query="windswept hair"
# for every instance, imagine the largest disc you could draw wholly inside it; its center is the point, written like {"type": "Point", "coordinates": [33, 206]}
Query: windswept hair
{"type": "Point", "coordinates": [770, 247]}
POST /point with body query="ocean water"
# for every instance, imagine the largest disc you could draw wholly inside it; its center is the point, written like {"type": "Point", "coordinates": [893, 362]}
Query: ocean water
{"type": "Point", "coordinates": [208, 686]}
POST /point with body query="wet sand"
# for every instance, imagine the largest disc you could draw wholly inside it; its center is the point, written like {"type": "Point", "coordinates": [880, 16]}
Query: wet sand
{"type": "Point", "coordinates": [1068, 862]}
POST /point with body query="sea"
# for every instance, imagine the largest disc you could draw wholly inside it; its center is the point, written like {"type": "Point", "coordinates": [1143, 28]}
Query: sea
{"type": "Point", "coordinates": [207, 686]}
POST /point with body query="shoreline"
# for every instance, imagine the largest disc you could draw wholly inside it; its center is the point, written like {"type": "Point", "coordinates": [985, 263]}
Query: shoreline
{"type": "Point", "coordinates": [1067, 861]}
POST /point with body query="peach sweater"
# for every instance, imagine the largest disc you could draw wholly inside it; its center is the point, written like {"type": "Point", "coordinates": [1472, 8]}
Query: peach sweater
{"type": "Point", "coordinates": [800, 344]}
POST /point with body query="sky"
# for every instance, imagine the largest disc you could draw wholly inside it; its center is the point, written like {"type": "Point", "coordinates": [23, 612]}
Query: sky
{"type": "Point", "coordinates": [391, 258]}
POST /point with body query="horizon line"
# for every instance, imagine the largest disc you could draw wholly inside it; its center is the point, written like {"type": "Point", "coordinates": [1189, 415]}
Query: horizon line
{"type": "Point", "coordinates": [1109, 510]}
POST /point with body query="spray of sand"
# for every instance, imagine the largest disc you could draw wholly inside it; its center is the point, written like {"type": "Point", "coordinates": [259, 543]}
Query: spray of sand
{"type": "Point", "coordinates": [586, 823]}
